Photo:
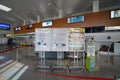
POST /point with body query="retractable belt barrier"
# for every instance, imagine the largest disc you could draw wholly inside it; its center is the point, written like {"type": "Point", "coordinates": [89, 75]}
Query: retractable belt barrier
{"type": "Point", "coordinates": [2, 52]}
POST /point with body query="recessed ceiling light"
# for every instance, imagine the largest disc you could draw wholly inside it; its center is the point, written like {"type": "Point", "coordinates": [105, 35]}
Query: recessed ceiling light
{"type": "Point", "coordinates": [5, 8]}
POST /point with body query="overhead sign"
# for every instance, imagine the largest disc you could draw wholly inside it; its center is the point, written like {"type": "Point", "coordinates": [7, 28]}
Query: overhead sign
{"type": "Point", "coordinates": [75, 19]}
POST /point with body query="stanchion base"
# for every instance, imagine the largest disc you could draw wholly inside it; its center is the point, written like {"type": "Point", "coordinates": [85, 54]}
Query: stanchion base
{"type": "Point", "coordinates": [62, 67]}
{"type": "Point", "coordinates": [43, 68]}
{"type": "Point", "coordinates": [57, 68]}
{"type": "Point", "coordinates": [74, 68]}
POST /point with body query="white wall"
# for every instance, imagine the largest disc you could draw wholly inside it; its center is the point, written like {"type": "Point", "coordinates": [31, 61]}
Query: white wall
{"type": "Point", "coordinates": [101, 38]}
{"type": "Point", "coordinates": [115, 36]}
{"type": "Point", "coordinates": [5, 32]}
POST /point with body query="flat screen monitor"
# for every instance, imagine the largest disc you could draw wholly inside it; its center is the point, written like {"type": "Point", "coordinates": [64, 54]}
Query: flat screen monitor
{"type": "Point", "coordinates": [88, 30]}
{"type": "Point", "coordinates": [17, 28]}
{"type": "Point", "coordinates": [29, 26]}
{"type": "Point", "coordinates": [75, 19]}
{"type": "Point", "coordinates": [115, 14]}
{"type": "Point", "coordinates": [4, 26]}
{"type": "Point", "coordinates": [47, 23]}
{"type": "Point", "coordinates": [96, 29]}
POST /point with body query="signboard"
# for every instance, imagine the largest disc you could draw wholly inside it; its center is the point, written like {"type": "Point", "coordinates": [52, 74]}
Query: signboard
{"type": "Point", "coordinates": [75, 19]}
{"type": "Point", "coordinates": [60, 39]}
{"type": "Point", "coordinates": [47, 23]}
{"type": "Point", "coordinates": [43, 39]}
{"type": "Point", "coordinates": [76, 39]}
{"type": "Point", "coordinates": [90, 60]}
{"type": "Point", "coordinates": [115, 14]}
{"type": "Point", "coordinates": [112, 28]}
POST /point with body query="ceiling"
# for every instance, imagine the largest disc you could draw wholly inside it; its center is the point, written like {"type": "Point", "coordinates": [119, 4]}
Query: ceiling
{"type": "Point", "coordinates": [32, 11]}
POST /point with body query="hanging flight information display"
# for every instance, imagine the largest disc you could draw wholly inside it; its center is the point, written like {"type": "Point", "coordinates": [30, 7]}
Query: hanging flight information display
{"type": "Point", "coordinates": [43, 39]}
{"type": "Point", "coordinates": [60, 39]}
{"type": "Point", "coordinates": [76, 41]}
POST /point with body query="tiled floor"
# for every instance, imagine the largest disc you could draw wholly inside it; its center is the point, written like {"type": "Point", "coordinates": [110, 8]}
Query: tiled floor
{"type": "Point", "coordinates": [105, 70]}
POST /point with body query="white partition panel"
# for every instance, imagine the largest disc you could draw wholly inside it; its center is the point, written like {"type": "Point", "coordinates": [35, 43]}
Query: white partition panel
{"type": "Point", "coordinates": [59, 39]}
{"type": "Point", "coordinates": [43, 39]}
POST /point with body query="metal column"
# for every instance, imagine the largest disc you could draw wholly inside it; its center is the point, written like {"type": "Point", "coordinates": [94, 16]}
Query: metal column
{"type": "Point", "coordinates": [75, 59]}
{"type": "Point", "coordinates": [60, 64]}
{"type": "Point", "coordinates": [59, 58]}
{"type": "Point", "coordinates": [17, 54]}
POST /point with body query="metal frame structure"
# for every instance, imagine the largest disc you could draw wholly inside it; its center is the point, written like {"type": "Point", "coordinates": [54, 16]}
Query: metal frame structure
{"type": "Point", "coordinates": [42, 60]}
{"type": "Point", "coordinates": [76, 61]}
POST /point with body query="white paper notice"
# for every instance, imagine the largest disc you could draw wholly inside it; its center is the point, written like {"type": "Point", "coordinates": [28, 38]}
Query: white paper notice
{"type": "Point", "coordinates": [43, 39]}
{"type": "Point", "coordinates": [60, 39]}
{"type": "Point", "coordinates": [90, 49]}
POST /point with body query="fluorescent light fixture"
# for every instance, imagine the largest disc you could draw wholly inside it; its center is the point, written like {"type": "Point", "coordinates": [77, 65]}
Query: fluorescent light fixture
{"type": "Point", "coordinates": [5, 8]}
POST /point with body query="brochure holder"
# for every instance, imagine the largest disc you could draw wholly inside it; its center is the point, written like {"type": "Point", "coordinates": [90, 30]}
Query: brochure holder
{"type": "Point", "coordinates": [91, 61]}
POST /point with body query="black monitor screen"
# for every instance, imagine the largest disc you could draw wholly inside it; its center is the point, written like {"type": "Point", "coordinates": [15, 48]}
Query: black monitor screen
{"type": "Point", "coordinates": [88, 30]}
{"type": "Point", "coordinates": [98, 29]}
